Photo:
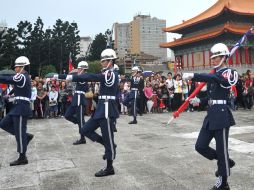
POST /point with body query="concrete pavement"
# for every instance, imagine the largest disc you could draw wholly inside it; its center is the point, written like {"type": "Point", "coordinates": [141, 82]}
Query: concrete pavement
{"type": "Point", "coordinates": [149, 156]}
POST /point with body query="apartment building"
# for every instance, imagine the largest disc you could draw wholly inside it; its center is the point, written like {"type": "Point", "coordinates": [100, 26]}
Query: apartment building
{"type": "Point", "coordinates": [141, 36]}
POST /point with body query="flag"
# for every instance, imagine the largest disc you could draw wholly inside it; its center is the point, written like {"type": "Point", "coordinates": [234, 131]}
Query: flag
{"type": "Point", "coordinates": [70, 64]}
{"type": "Point", "coordinates": [239, 43]}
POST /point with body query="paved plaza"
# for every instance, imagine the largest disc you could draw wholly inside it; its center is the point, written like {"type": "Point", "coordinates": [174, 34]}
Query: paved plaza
{"type": "Point", "coordinates": [149, 156]}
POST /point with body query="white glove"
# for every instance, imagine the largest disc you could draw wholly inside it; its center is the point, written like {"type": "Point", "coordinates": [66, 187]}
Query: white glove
{"type": "Point", "coordinates": [195, 101]}
{"type": "Point", "coordinates": [55, 76]}
{"type": "Point", "coordinates": [188, 76]}
{"type": "Point", "coordinates": [69, 77]}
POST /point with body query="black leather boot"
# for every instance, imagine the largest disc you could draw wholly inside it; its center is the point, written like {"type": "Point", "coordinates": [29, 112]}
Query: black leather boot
{"type": "Point", "coordinates": [133, 122]}
{"type": "Point", "coordinates": [80, 141]}
{"type": "Point", "coordinates": [29, 138]}
{"type": "Point", "coordinates": [231, 165]}
{"type": "Point", "coordinates": [226, 187]}
{"type": "Point", "coordinates": [109, 170]}
{"type": "Point", "coordinates": [221, 184]}
{"type": "Point", "coordinates": [22, 160]}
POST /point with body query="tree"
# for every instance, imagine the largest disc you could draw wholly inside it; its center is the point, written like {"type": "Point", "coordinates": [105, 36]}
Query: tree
{"type": "Point", "coordinates": [94, 67]}
{"type": "Point", "coordinates": [65, 40]}
{"type": "Point", "coordinates": [48, 69]}
{"type": "Point", "coordinates": [24, 37]}
{"type": "Point", "coordinates": [9, 48]}
{"type": "Point", "coordinates": [36, 47]}
{"type": "Point", "coordinates": [97, 46]}
{"type": "Point", "coordinates": [43, 48]}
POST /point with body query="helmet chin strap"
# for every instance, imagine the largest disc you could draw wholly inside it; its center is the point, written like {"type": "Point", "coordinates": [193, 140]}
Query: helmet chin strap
{"type": "Point", "coordinates": [222, 60]}
{"type": "Point", "coordinates": [81, 71]}
{"type": "Point", "coordinates": [106, 68]}
{"type": "Point", "coordinates": [134, 74]}
{"type": "Point", "coordinates": [21, 70]}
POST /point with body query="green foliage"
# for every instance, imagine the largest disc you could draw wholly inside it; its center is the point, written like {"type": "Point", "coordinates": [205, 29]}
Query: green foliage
{"type": "Point", "coordinates": [42, 47]}
{"type": "Point", "coordinates": [8, 48]}
{"type": "Point", "coordinates": [65, 41]}
{"type": "Point", "coordinates": [48, 50]}
{"type": "Point", "coordinates": [94, 67]}
{"type": "Point", "coordinates": [97, 46]}
{"type": "Point", "coordinates": [48, 69]}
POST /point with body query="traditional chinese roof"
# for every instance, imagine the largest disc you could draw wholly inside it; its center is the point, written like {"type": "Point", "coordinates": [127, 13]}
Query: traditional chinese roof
{"type": "Point", "coordinates": [242, 7]}
{"type": "Point", "coordinates": [231, 28]}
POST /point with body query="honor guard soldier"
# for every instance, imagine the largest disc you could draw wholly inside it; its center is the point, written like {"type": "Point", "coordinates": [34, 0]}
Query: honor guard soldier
{"type": "Point", "coordinates": [106, 110]}
{"type": "Point", "coordinates": [136, 83]}
{"type": "Point", "coordinates": [15, 122]}
{"type": "Point", "coordinates": [75, 112]}
{"type": "Point", "coordinates": [219, 117]}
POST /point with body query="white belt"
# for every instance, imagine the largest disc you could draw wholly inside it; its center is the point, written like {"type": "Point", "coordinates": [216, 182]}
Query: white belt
{"type": "Point", "coordinates": [79, 92]}
{"type": "Point", "coordinates": [107, 97]}
{"type": "Point", "coordinates": [134, 88]}
{"type": "Point", "coordinates": [213, 102]}
{"type": "Point", "coordinates": [22, 98]}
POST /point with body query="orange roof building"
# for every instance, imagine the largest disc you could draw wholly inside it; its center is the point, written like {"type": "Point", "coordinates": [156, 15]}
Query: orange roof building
{"type": "Point", "coordinates": [226, 21]}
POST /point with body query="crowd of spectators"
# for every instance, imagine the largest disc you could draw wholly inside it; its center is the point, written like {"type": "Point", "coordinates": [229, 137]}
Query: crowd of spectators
{"type": "Point", "coordinates": [50, 98]}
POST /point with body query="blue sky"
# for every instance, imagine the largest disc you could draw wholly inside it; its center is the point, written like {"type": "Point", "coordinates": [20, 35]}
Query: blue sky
{"type": "Point", "coordinates": [95, 16]}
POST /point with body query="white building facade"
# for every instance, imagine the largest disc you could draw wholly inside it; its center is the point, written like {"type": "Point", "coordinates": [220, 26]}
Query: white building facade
{"type": "Point", "coordinates": [142, 35]}
{"type": "Point", "coordinates": [84, 45]}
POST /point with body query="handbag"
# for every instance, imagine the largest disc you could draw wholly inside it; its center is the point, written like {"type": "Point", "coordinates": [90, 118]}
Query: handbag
{"type": "Point", "coordinates": [250, 90]}
{"type": "Point", "coordinates": [89, 94]}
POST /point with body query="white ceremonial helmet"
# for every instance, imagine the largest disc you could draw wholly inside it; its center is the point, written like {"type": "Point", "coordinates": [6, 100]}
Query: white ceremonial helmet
{"type": "Point", "coordinates": [116, 67]}
{"type": "Point", "coordinates": [219, 49]}
{"type": "Point", "coordinates": [22, 61]}
{"type": "Point", "coordinates": [108, 54]}
{"type": "Point", "coordinates": [83, 65]}
{"type": "Point", "coordinates": [135, 69]}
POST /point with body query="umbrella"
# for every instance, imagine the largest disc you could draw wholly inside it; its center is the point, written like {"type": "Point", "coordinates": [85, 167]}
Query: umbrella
{"type": "Point", "coordinates": [148, 73]}
{"type": "Point", "coordinates": [149, 105]}
{"type": "Point", "coordinates": [74, 72]}
{"type": "Point", "coordinates": [50, 75]}
{"type": "Point", "coordinates": [7, 72]}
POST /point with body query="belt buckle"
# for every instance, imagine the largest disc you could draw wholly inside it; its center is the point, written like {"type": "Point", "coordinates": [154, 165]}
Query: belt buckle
{"type": "Point", "coordinates": [210, 102]}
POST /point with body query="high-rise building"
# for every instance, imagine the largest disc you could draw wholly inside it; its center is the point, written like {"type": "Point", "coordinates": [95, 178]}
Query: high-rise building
{"type": "Point", "coordinates": [84, 45]}
{"type": "Point", "coordinates": [122, 38]}
{"type": "Point", "coordinates": [3, 25]}
{"type": "Point", "coordinates": [142, 36]}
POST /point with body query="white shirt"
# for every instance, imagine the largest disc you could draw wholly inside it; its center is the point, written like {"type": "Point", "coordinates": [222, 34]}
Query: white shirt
{"type": "Point", "coordinates": [169, 83]}
{"type": "Point", "coordinates": [178, 86]}
{"type": "Point", "coordinates": [34, 93]}
{"type": "Point", "coordinates": [53, 96]}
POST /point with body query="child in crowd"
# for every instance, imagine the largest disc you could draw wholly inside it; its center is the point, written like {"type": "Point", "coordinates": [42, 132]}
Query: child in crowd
{"type": "Point", "coordinates": [53, 95]}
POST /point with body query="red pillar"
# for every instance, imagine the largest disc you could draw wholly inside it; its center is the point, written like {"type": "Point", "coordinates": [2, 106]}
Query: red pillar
{"type": "Point", "coordinates": [204, 58]}
{"type": "Point", "coordinates": [236, 57]}
{"type": "Point", "coordinates": [175, 66]}
{"type": "Point", "coordinates": [192, 58]}
{"type": "Point", "coordinates": [182, 61]}
{"type": "Point", "coordinates": [210, 54]}
{"type": "Point", "coordinates": [250, 56]}
{"type": "Point", "coordinates": [188, 61]}
{"type": "Point", "coordinates": [241, 58]}
{"type": "Point", "coordinates": [247, 55]}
